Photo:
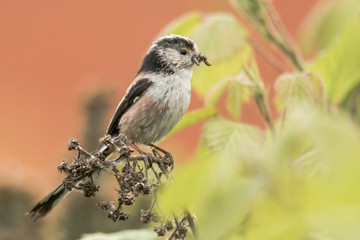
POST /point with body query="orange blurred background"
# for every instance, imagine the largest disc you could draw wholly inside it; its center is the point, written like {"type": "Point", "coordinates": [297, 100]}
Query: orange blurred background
{"type": "Point", "coordinates": [55, 53]}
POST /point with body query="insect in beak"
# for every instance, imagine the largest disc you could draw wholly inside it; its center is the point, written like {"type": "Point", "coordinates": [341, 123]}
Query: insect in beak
{"type": "Point", "coordinates": [197, 59]}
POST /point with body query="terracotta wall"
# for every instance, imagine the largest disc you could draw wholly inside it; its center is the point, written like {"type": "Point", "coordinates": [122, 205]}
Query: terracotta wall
{"type": "Point", "coordinates": [52, 53]}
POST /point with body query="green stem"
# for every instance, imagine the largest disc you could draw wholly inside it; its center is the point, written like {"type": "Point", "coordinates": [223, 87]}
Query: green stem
{"type": "Point", "coordinates": [288, 52]}
{"type": "Point", "coordinates": [264, 110]}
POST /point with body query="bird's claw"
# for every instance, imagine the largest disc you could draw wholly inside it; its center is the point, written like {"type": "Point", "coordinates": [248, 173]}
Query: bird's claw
{"type": "Point", "coordinates": [169, 160]}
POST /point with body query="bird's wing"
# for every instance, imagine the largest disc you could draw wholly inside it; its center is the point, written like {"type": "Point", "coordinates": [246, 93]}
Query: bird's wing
{"type": "Point", "coordinates": [136, 90]}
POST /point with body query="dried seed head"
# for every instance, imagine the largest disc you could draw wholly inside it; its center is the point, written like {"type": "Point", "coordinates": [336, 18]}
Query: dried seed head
{"type": "Point", "coordinates": [106, 205]}
{"type": "Point", "coordinates": [73, 144]}
{"type": "Point", "coordinates": [139, 187]}
{"type": "Point", "coordinates": [124, 152]}
{"type": "Point", "coordinates": [68, 184]}
{"type": "Point", "coordinates": [147, 190]}
{"type": "Point", "coordinates": [169, 225]}
{"type": "Point", "coordinates": [182, 228]}
{"type": "Point", "coordinates": [127, 198]}
{"type": "Point", "coordinates": [117, 215]}
{"type": "Point", "coordinates": [138, 176]}
{"type": "Point", "coordinates": [123, 216]}
{"type": "Point", "coordinates": [160, 231]}
{"type": "Point", "coordinates": [64, 167]}
{"type": "Point", "coordinates": [89, 188]}
{"type": "Point", "coordinates": [145, 216]}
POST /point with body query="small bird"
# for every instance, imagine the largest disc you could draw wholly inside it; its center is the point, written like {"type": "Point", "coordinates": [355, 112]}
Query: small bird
{"type": "Point", "coordinates": [153, 104]}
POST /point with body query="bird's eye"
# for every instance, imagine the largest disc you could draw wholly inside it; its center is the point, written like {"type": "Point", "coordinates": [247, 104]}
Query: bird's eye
{"type": "Point", "coordinates": [183, 51]}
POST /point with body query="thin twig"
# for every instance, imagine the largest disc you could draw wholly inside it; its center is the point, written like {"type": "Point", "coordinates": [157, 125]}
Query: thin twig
{"type": "Point", "coordinates": [279, 26]}
{"type": "Point", "coordinates": [177, 226]}
{"type": "Point", "coordinates": [264, 110]}
{"type": "Point", "coordinates": [260, 101]}
{"type": "Point", "coordinates": [289, 53]}
{"type": "Point", "coordinates": [287, 46]}
{"type": "Point", "coordinates": [192, 224]}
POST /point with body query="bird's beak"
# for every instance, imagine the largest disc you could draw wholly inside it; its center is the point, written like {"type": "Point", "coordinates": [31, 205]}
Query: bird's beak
{"type": "Point", "coordinates": [197, 59]}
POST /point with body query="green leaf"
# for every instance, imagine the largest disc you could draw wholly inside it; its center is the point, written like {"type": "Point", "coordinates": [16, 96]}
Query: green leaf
{"type": "Point", "coordinates": [207, 77]}
{"type": "Point", "coordinates": [298, 87]}
{"type": "Point", "coordinates": [312, 195]}
{"type": "Point", "coordinates": [325, 22]}
{"type": "Point", "coordinates": [215, 193]}
{"type": "Point", "coordinates": [238, 91]}
{"type": "Point", "coordinates": [214, 94]}
{"type": "Point", "coordinates": [227, 138]}
{"type": "Point", "coordinates": [339, 66]}
{"type": "Point", "coordinates": [143, 234]}
{"type": "Point", "coordinates": [222, 39]}
{"type": "Point", "coordinates": [185, 25]}
{"type": "Point", "coordinates": [220, 36]}
{"type": "Point", "coordinates": [192, 118]}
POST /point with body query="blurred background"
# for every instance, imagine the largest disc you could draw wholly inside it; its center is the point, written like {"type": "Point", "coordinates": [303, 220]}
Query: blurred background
{"type": "Point", "coordinates": [64, 67]}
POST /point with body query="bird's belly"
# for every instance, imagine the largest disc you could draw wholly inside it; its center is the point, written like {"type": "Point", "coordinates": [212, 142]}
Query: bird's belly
{"type": "Point", "coordinates": [152, 121]}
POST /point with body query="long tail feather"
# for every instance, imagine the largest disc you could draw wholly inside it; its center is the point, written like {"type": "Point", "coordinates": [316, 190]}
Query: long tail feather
{"type": "Point", "coordinates": [48, 203]}
{"type": "Point", "coordinates": [43, 207]}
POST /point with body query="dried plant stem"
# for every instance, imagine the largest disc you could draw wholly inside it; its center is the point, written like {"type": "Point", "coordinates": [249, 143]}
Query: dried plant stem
{"type": "Point", "coordinates": [177, 226]}
{"type": "Point", "coordinates": [192, 225]}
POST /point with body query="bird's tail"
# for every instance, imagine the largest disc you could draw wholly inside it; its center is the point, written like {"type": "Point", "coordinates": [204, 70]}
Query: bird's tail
{"type": "Point", "coordinates": [43, 207]}
{"type": "Point", "coordinates": [48, 203]}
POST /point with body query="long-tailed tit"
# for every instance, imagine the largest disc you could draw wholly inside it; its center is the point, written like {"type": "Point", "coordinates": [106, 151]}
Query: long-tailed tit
{"type": "Point", "coordinates": [153, 104]}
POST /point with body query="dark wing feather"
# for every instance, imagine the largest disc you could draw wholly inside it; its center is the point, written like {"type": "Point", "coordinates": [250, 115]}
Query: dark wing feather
{"type": "Point", "coordinates": [136, 90]}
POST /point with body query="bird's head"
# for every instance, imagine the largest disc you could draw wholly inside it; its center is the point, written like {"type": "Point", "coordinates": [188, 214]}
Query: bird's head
{"type": "Point", "coordinates": [172, 52]}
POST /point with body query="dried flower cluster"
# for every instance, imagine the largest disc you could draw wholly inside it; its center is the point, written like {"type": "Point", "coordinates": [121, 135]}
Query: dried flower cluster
{"type": "Point", "coordinates": [131, 174]}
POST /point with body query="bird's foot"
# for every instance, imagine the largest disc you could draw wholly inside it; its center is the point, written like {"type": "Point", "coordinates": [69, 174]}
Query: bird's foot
{"type": "Point", "coordinates": [150, 158]}
{"type": "Point", "coordinates": [168, 158]}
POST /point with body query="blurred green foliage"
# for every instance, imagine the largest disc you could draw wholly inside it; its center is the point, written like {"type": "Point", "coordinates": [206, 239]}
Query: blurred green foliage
{"type": "Point", "coordinates": [302, 185]}
{"type": "Point", "coordinates": [325, 22]}
{"type": "Point", "coordinates": [338, 65]}
{"type": "Point", "coordinates": [294, 87]}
